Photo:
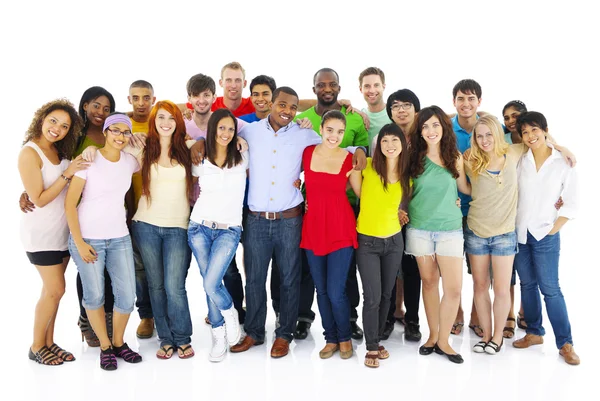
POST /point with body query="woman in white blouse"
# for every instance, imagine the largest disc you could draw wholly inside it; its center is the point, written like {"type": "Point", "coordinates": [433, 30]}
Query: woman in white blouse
{"type": "Point", "coordinates": [216, 224]}
{"type": "Point", "coordinates": [543, 177]}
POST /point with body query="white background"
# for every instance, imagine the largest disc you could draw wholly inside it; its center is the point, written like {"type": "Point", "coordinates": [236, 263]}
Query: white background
{"type": "Point", "coordinates": [543, 53]}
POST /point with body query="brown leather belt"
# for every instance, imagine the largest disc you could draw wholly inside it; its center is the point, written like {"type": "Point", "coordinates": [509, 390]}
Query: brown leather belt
{"type": "Point", "coordinates": [286, 214]}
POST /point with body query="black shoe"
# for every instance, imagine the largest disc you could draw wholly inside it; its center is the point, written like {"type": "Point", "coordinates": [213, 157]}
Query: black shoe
{"type": "Point", "coordinates": [302, 329]}
{"type": "Point", "coordinates": [456, 358]}
{"type": "Point", "coordinates": [387, 331]}
{"type": "Point", "coordinates": [411, 332]}
{"type": "Point", "coordinates": [357, 332]}
{"type": "Point", "coordinates": [423, 350]}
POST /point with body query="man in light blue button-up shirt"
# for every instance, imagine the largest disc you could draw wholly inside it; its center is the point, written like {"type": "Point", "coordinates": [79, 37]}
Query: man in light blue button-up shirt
{"type": "Point", "coordinates": [274, 223]}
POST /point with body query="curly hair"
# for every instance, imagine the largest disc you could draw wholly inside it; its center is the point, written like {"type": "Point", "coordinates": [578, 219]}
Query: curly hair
{"type": "Point", "coordinates": [65, 146]}
{"type": "Point", "coordinates": [178, 150]}
{"type": "Point", "coordinates": [448, 151]}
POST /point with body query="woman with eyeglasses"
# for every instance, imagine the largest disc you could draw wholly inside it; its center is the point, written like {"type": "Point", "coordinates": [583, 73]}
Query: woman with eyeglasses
{"type": "Point", "coordinates": [100, 238]}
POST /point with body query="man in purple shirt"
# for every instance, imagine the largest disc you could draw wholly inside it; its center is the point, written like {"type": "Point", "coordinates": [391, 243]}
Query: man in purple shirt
{"type": "Point", "coordinates": [274, 223]}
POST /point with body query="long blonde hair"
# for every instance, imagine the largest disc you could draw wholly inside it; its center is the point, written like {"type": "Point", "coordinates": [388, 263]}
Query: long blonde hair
{"type": "Point", "coordinates": [478, 158]}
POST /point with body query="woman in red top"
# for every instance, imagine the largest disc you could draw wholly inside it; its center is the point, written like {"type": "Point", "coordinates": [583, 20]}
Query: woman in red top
{"type": "Point", "coordinates": [329, 230]}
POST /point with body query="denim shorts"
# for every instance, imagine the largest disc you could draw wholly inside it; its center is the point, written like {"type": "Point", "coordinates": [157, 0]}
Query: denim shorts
{"type": "Point", "coordinates": [428, 243]}
{"type": "Point", "coordinates": [116, 256]}
{"type": "Point", "coordinates": [498, 245]}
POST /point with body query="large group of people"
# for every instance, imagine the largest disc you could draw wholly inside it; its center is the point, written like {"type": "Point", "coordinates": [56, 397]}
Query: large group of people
{"type": "Point", "coordinates": [395, 194]}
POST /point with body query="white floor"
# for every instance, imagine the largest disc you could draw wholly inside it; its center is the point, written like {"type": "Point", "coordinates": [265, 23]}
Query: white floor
{"type": "Point", "coordinates": [535, 374]}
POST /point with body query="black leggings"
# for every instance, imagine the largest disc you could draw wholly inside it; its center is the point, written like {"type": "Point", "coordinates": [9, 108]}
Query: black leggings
{"type": "Point", "coordinates": [109, 299]}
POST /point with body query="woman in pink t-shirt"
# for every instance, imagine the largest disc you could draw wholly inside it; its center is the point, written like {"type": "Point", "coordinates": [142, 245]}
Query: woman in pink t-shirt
{"type": "Point", "coordinates": [100, 237]}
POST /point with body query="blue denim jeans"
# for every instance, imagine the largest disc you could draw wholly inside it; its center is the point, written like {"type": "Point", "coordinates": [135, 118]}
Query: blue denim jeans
{"type": "Point", "coordinates": [264, 238]}
{"type": "Point", "coordinates": [214, 249]}
{"type": "Point", "coordinates": [116, 256]}
{"type": "Point", "coordinates": [537, 265]}
{"type": "Point", "coordinates": [166, 257]}
{"type": "Point", "coordinates": [330, 273]}
{"type": "Point", "coordinates": [142, 293]}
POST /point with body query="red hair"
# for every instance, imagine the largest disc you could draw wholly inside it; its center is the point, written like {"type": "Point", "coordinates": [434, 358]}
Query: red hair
{"type": "Point", "coordinates": [178, 150]}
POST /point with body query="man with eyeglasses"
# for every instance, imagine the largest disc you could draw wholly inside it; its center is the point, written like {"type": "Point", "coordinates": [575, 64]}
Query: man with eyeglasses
{"type": "Point", "coordinates": [402, 107]}
{"type": "Point", "coordinates": [327, 88]}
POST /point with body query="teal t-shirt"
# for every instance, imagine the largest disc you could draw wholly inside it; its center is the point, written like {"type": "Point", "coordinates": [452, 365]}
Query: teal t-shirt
{"type": "Point", "coordinates": [355, 134]}
{"type": "Point", "coordinates": [433, 203]}
{"type": "Point", "coordinates": [378, 120]}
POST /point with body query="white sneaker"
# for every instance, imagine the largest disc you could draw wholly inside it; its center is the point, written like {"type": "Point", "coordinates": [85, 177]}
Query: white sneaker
{"type": "Point", "coordinates": [232, 326]}
{"type": "Point", "coordinates": [219, 345]}
{"type": "Point", "coordinates": [479, 347]}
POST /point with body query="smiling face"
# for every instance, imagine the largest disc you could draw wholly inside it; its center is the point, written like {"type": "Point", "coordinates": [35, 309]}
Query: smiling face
{"type": "Point", "coordinates": [327, 88]}
{"type": "Point", "coordinates": [97, 110]}
{"type": "Point", "coordinates": [432, 131]}
{"type": "Point", "coordinates": [332, 132]}
{"type": "Point", "coordinates": [403, 113]}
{"type": "Point", "coordinates": [117, 136]}
{"type": "Point", "coordinates": [261, 98]}
{"type": "Point", "coordinates": [283, 111]}
{"type": "Point", "coordinates": [142, 100]}
{"type": "Point", "coordinates": [225, 131]}
{"type": "Point", "coordinates": [56, 125]}
{"type": "Point", "coordinates": [202, 102]}
{"type": "Point", "coordinates": [534, 137]}
{"type": "Point", "coordinates": [233, 83]}
{"type": "Point", "coordinates": [165, 123]}
{"type": "Point", "coordinates": [372, 90]}
{"type": "Point", "coordinates": [391, 146]}
{"type": "Point", "coordinates": [484, 138]}
{"type": "Point", "coordinates": [510, 119]}
{"type": "Point", "coordinates": [466, 104]}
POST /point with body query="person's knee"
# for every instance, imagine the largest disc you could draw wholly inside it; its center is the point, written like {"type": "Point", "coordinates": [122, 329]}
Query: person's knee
{"type": "Point", "coordinates": [55, 293]}
{"type": "Point", "coordinates": [550, 290]}
{"type": "Point", "coordinates": [430, 282]}
{"type": "Point", "coordinates": [452, 292]}
{"type": "Point", "coordinates": [480, 286]}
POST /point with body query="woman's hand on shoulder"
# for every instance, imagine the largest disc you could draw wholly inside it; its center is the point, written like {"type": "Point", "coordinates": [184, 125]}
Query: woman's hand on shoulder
{"type": "Point", "coordinates": [77, 164]}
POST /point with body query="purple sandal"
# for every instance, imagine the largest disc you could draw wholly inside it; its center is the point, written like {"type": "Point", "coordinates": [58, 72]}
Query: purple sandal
{"type": "Point", "coordinates": [108, 360]}
{"type": "Point", "coordinates": [127, 354]}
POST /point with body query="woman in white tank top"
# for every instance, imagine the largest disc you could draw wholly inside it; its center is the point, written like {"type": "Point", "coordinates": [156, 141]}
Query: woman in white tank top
{"type": "Point", "coordinates": [45, 171]}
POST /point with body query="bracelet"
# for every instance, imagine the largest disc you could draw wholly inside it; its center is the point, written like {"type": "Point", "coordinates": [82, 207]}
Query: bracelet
{"type": "Point", "coordinates": [64, 177]}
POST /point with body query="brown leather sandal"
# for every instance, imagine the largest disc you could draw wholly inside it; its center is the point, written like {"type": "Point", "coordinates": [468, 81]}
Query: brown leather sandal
{"type": "Point", "coordinates": [383, 353]}
{"type": "Point", "coordinates": [371, 360]}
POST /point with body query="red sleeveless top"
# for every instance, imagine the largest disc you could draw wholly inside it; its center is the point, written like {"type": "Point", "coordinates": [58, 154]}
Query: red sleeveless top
{"type": "Point", "coordinates": [329, 224]}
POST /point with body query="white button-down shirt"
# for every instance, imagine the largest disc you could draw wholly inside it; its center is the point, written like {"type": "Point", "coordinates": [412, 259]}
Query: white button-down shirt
{"type": "Point", "coordinates": [539, 191]}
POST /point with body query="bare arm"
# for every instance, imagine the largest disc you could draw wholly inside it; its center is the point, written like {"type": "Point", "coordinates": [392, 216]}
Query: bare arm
{"type": "Point", "coordinates": [87, 253]}
{"type": "Point", "coordinates": [305, 104]}
{"type": "Point", "coordinates": [461, 181]}
{"type": "Point", "coordinates": [355, 181]}
{"type": "Point", "coordinates": [30, 169]}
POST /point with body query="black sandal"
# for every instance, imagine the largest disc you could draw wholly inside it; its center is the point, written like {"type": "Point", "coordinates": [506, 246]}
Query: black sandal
{"type": "Point", "coordinates": [183, 354]}
{"type": "Point", "coordinates": [108, 359]}
{"type": "Point", "coordinates": [521, 323]}
{"type": "Point", "coordinates": [63, 354]}
{"type": "Point", "coordinates": [508, 332]}
{"type": "Point", "coordinates": [45, 357]}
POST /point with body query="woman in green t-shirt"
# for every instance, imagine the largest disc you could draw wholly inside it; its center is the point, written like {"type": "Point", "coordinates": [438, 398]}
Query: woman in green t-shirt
{"type": "Point", "coordinates": [434, 235]}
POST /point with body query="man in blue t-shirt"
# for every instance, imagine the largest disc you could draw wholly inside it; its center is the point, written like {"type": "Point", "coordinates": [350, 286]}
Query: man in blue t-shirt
{"type": "Point", "coordinates": [466, 99]}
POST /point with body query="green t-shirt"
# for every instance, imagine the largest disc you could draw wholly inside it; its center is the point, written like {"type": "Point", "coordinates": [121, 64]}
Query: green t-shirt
{"type": "Point", "coordinates": [433, 203]}
{"type": "Point", "coordinates": [355, 134]}
{"type": "Point", "coordinates": [378, 120]}
{"type": "Point", "coordinates": [87, 141]}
